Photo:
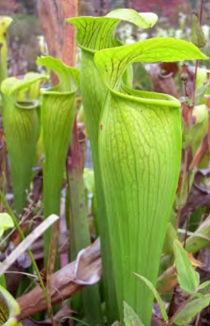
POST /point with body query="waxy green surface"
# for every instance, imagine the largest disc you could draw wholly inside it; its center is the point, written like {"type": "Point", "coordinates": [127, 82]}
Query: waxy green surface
{"type": "Point", "coordinates": [21, 125]}
{"type": "Point", "coordinates": [96, 33]}
{"type": "Point", "coordinates": [57, 116]}
{"type": "Point", "coordinates": [140, 154]}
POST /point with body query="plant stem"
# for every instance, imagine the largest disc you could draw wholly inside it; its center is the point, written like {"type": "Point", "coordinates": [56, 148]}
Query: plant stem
{"type": "Point", "coordinates": [197, 61]}
{"type": "Point", "coordinates": [180, 309]}
{"type": "Point", "coordinates": [10, 212]}
{"type": "Point", "coordinates": [201, 11]}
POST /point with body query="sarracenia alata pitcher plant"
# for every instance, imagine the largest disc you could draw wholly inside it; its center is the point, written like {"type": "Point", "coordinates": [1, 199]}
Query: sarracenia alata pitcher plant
{"type": "Point", "coordinates": [139, 154]}
{"type": "Point", "coordinates": [21, 125]}
{"type": "Point", "coordinates": [57, 116]}
{"type": "Point", "coordinates": [93, 34]}
{"type": "Point", "coordinates": [4, 24]}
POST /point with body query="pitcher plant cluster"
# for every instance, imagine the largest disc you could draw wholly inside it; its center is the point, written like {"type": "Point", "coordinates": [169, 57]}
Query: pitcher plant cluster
{"type": "Point", "coordinates": [136, 144]}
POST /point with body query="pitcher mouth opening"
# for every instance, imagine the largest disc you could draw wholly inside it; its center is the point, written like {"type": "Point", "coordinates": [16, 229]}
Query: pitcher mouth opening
{"type": "Point", "coordinates": [146, 97]}
{"type": "Point", "coordinates": [27, 104]}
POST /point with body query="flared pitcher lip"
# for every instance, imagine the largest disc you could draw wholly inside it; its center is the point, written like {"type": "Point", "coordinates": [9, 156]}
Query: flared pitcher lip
{"type": "Point", "coordinates": [169, 100]}
{"type": "Point", "coordinates": [53, 91]}
{"type": "Point", "coordinates": [58, 93]}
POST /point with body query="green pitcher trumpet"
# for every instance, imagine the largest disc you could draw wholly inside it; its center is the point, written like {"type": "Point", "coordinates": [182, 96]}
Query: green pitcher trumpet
{"type": "Point", "coordinates": [93, 34]}
{"type": "Point", "coordinates": [9, 309]}
{"type": "Point", "coordinates": [57, 117]}
{"type": "Point", "coordinates": [32, 92]}
{"type": "Point", "coordinates": [140, 155]}
{"type": "Point", "coordinates": [4, 24]}
{"type": "Point", "coordinates": [21, 125]}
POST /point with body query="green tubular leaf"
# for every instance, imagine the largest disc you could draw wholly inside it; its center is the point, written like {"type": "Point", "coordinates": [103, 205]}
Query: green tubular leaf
{"type": "Point", "coordinates": [9, 308]}
{"type": "Point", "coordinates": [4, 24]}
{"type": "Point", "coordinates": [191, 309]}
{"type": "Point", "coordinates": [188, 278]}
{"type": "Point", "coordinates": [21, 124]}
{"type": "Point", "coordinates": [140, 152]}
{"type": "Point", "coordinates": [57, 116]}
{"type": "Point", "coordinates": [94, 34]}
{"type": "Point", "coordinates": [140, 146]}
{"type": "Point", "coordinates": [130, 318]}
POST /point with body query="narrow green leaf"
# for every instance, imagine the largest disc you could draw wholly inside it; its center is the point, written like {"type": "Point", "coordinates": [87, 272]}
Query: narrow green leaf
{"type": "Point", "coordinates": [130, 317]}
{"type": "Point", "coordinates": [188, 278]}
{"type": "Point", "coordinates": [156, 295]}
{"type": "Point", "coordinates": [200, 238]}
{"type": "Point", "coordinates": [21, 124]}
{"type": "Point", "coordinates": [57, 116]}
{"type": "Point", "coordinates": [171, 235]}
{"type": "Point", "coordinates": [9, 308]}
{"type": "Point", "coordinates": [200, 92]}
{"type": "Point", "coordinates": [204, 285]}
{"type": "Point", "coordinates": [89, 182]}
{"type": "Point", "coordinates": [191, 309]}
{"type": "Point", "coordinates": [204, 288]}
